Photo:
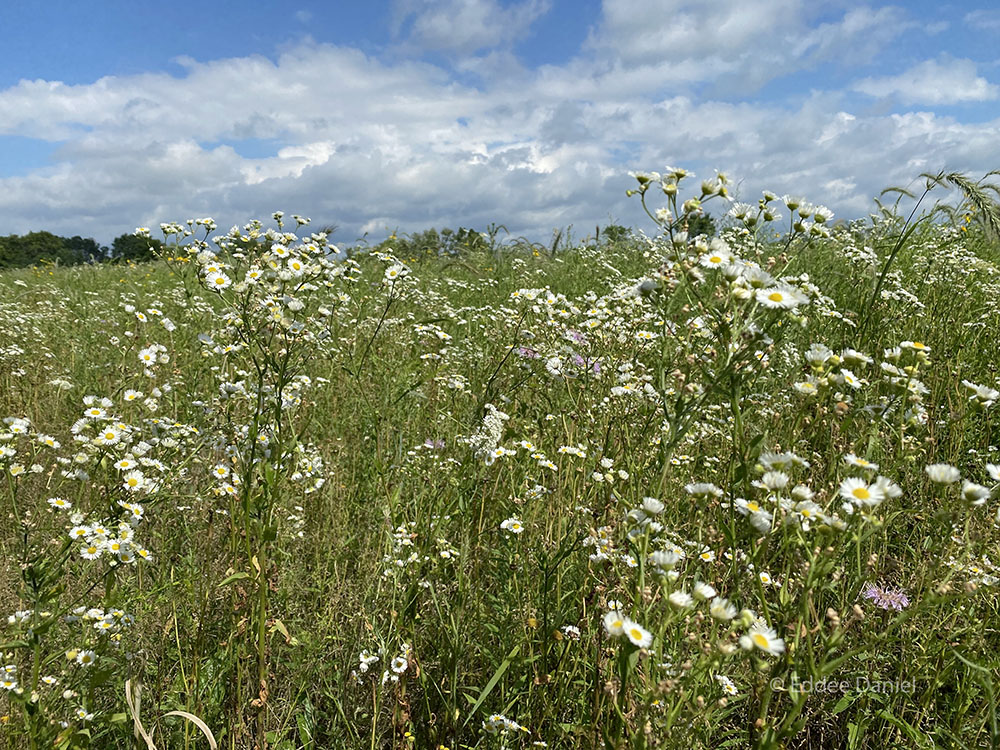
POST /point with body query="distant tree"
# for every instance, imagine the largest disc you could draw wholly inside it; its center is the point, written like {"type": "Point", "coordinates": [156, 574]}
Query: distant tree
{"type": "Point", "coordinates": [616, 233]}
{"type": "Point", "coordinates": [35, 247]}
{"type": "Point", "coordinates": [85, 249]}
{"type": "Point", "coordinates": [134, 248]}
{"type": "Point", "coordinates": [10, 252]}
{"type": "Point", "coordinates": [701, 224]}
{"type": "Point", "coordinates": [44, 247]}
{"type": "Point", "coordinates": [431, 242]}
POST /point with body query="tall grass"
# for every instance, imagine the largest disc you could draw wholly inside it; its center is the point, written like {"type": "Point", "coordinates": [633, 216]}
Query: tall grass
{"type": "Point", "coordinates": [496, 497]}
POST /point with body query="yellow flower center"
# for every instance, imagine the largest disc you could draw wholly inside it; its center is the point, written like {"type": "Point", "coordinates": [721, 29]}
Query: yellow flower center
{"type": "Point", "coordinates": [761, 640]}
{"type": "Point", "coordinates": [861, 493]}
{"type": "Point", "coordinates": [776, 296]}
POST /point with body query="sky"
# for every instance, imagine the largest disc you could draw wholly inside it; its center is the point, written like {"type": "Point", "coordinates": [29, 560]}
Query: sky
{"type": "Point", "coordinates": [400, 115]}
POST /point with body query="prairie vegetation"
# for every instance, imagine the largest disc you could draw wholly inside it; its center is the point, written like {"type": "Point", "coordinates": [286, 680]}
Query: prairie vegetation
{"type": "Point", "coordinates": [644, 491]}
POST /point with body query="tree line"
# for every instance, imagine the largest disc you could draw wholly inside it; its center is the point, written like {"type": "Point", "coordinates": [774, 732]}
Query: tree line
{"type": "Point", "coordinates": [35, 248]}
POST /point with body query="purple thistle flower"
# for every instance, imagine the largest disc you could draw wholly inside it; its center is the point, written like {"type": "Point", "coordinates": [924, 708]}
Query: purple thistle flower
{"type": "Point", "coordinates": [885, 597]}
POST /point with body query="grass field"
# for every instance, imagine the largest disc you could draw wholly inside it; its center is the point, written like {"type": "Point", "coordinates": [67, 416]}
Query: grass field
{"type": "Point", "coordinates": [652, 492]}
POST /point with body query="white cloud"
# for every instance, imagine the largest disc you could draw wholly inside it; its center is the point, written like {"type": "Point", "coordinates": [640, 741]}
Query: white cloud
{"type": "Point", "coordinates": [371, 145]}
{"type": "Point", "coordinates": [854, 39]}
{"type": "Point", "coordinates": [465, 26]}
{"type": "Point", "coordinates": [983, 19]}
{"type": "Point", "coordinates": [649, 31]}
{"type": "Point", "coordinates": [735, 45]}
{"type": "Point", "coordinates": [944, 81]}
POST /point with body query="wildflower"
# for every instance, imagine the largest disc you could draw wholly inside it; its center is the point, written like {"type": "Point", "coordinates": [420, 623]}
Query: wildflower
{"type": "Point", "coordinates": [851, 460]}
{"type": "Point", "coordinates": [614, 623]}
{"type": "Point", "coordinates": [780, 297]}
{"type": "Point", "coordinates": [888, 488]}
{"type": "Point", "coordinates": [652, 506]}
{"type": "Point", "coordinates": [703, 490]}
{"type": "Point", "coordinates": [637, 634]}
{"type": "Point", "coordinates": [680, 600]}
{"type": "Point", "coordinates": [571, 631]}
{"type": "Point", "coordinates": [728, 686]}
{"type": "Point", "coordinates": [859, 492]}
{"type": "Point", "coordinates": [802, 493]}
{"type": "Point", "coordinates": [885, 597]}
{"type": "Point", "coordinates": [773, 480]}
{"type": "Point", "coordinates": [764, 638]}
{"type": "Point", "coordinates": [59, 503]}
{"type": "Point", "coordinates": [721, 609]}
{"type": "Point", "coordinates": [761, 520]}
{"type": "Point", "coordinates": [848, 378]}
{"type": "Point", "coordinates": [664, 558]}
{"type": "Point", "coordinates": [975, 494]}
{"type": "Point", "coordinates": [807, 387]}
{"type": "Point", "coordinates": [134, 481]}
{"type": "Point", "coordinates": [394, 272]}
{"type": "Point", "coordinates": [109, 436]}
{"type": "Point", "coordinates": [716, 258]}
{"type": "Point", "coordinates": [398, 665]}
{"type": "Point", "coordinates": [498, 723]}
{"type": "Point", "coordinates": [86, 658]}
{"type": "Point", "coordinates": [217, 280]}
{"type": "Point", "coordinates": [806, 512]}
{"type": "Point", "coordinates": [942, 473]}
{"type": "Point", "coordinates": [703, 591]}
{"type": "Point", "coordinates": [513, 525]}
{"type": "Point", "coordinates": [855, 358]}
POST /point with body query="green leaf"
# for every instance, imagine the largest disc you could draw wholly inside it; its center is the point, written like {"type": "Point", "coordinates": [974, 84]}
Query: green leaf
{"type": "Point", "coordinates": [492, 683]}
{"type": "Point", "coordinates": [280, 627]}
{"type": "Point", "coordinates": [846, 700]}
{"type": "Point", "coordinates": [233, 577]}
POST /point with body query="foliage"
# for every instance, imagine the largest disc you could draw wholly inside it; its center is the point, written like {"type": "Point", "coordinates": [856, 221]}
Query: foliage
{"type": "Point", "coordinates": [670, 491]}
{"type": "Point", "coordinates": [135, 248]}
{"type": "Point", "coordinates": [44, 247]}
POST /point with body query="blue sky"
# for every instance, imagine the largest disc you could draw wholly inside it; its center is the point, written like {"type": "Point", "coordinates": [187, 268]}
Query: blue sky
{"type": "Point", "coordinates": [405, 114]}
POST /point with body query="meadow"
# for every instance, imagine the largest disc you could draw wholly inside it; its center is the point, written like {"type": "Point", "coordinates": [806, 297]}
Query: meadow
{"type": "Point", "coordinates": [643, 490]}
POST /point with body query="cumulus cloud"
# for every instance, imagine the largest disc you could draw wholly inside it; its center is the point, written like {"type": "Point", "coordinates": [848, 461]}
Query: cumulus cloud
{"type": "Point", "coordinates": [854, 39]}
{"type": "Point", "coordinates": [465, 26]}
{"type": "Point", "coordinates": [944, 81]}
{"type": "Point", "coordinates": [735, 45]}
{"type": "Point", "coordinates": [374, 145]}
